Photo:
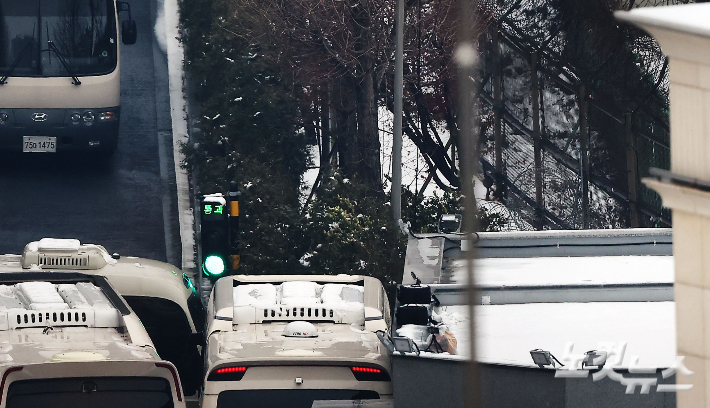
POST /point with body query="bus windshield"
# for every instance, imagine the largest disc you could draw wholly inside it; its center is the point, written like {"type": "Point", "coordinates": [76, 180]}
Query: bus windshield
{"type": "Point", "coordinates": [104, 392]}
{"type": "Point", "coordinates": [50, 38]}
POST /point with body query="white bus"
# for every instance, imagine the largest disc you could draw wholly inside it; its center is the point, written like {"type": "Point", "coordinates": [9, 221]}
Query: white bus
{"type": "Point", "coordinates": [289, 340]}
{"type": "Point", "coordinates": [69, 340]}
{"type": "Point", "coordinates": [160, 294]}
{"type": "Point", "coordinates": [60, 74]}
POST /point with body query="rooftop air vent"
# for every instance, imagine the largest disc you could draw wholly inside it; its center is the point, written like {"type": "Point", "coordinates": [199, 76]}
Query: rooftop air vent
{"type": "Point", "coordinates": [43, 304]}
{"type": "Point", "coordinates": [50, 253]}
{"type": "Point", "coordinates": [299, 301]}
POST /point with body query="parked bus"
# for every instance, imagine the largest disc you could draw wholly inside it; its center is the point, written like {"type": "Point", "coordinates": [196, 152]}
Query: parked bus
{"type": "Point", "coordinates": [69, 340]}
{"type": "Point", "coordinates": [161, 295]}
{"type": "Point", "coordinates": [289, 340]}
{"type": "Point", "coordinates": [60, 74]}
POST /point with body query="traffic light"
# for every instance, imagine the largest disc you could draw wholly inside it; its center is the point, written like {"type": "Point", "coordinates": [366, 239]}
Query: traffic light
{"type": "Point", "coordinates": [233, 202]}
{"type": "Point", "coordinates": [214, 236]}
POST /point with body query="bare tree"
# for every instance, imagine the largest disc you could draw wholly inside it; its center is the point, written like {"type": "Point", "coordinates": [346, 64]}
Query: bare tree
{"type": "Point", "coordinates": [336, 53]}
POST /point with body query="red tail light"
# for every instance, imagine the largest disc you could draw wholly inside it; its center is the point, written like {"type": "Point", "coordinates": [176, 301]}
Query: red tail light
{"type": "Point", "coordinates": [366, 370]}
{"type": "Point", "coordinates": [4, 379]}
{"type": "Point", "coordinates": [369, 374]}
{"type": "Point", "coordinates": [227, 374]}
{"type": "Point", "coordinates": [230, 370]}
{"type": "Point", "coordinates": [178, 390]}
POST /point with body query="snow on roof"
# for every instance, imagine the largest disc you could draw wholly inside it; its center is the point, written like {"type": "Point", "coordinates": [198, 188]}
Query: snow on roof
{"type": "Point", "coordinates": [40, 320]}
{"type": "Point", "coordinates": [546, 271]}
{"type": "Point", "coordinates": [42, 304]}
{"type": "Point", "coordinates": [55, 244]}
{"type": "Point", "coordinates": [261, 312]}
{"type": "Point", "coordinates": [299, 300]}
{"type": "Point", "coordinates": [215, 198]}
{"type": "Point", "coordinates": [40, 345]}
{"type": "Point", "coordinates": [507, 333]}
{"type": "Point", "coordinates": [267, 342]}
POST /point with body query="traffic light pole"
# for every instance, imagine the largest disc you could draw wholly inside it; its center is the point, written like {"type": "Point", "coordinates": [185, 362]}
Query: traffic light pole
{"type": "Point", "coordinates": [233, 197]}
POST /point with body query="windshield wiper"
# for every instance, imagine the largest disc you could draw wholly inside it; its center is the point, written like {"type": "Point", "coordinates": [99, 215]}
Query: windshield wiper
{"type": "Point", "coordinates": [17, 60]}
{"type": "Point", "coordinates": [64, 62]}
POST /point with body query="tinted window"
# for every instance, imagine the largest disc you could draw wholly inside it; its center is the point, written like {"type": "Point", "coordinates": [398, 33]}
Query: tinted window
{"type": "Point", "coordinates": [287, 398]}
{"type": "Point", "coordinates": [169, 329]}
{"type": "Point", "coordinates": [197, 311]}
{"type": "Point", "coordinates": [36, 34]}
{"type": "Point", "coordinates": [109, 392]}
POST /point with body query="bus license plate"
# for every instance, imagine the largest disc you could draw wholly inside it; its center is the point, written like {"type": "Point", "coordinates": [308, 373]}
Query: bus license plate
{"type": "Point", "coordinates": [39, 144]}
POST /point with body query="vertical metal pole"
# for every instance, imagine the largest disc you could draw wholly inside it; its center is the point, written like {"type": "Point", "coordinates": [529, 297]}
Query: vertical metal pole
{"type": "Point", "coordinates": [497, 116]}
{"type": "Point", "coordinates": [233, 199]}
{"type": "Point", "coordinates": [584, 152]}
{"type": "Point", "coordinates": [632, 172]}
{"type": "Point", "coordinates": [397, 126]}
{"type": "Point", "coordinates": [199, 275]}
{"type": "Point", "coordinates": [325, 128]}
{"type": "Point", "coordinates": [466, 56]}
{"type": "Point", "coordinates": [537, 139]}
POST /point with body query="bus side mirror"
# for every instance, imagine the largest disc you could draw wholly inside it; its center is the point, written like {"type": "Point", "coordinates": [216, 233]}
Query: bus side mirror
{"type": "Point", "coordinates": [123, 6]}
{"type": "Point", "coordinates": [129, 32]}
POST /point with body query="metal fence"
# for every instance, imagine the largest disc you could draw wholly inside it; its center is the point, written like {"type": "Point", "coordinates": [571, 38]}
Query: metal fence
{"type": "Point", "coordinates": [556, 154]}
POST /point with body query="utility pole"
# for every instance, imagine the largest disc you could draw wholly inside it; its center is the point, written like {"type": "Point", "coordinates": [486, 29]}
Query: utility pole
{"type": "Point", "coordinates": [584, 152]}
{"type": "Point", "coordinates": [397, 126]}
{"type": "Point", "coordinates": [537, 140]}
{"type": "Point", "coordinates": [498, 118]}
{"type": "Point", "coordinates": [632, 171]}
{"type": "Point", "coordinates": [466, 56]}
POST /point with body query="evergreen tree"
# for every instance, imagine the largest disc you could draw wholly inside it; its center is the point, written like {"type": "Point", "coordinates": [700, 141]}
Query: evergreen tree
{"type": "Point", "coordinates": [350, 231]}
{"type": "Point", "coordinates": [250, 134]}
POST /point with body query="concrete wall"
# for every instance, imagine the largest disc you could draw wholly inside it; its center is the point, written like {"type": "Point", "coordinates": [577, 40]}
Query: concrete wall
{"type": "Point", "coordinates": [684, 35]}
{"type": "Point", "coordinates": [428, 383]}
{"type": "Point", "coordinates": [424, 382]}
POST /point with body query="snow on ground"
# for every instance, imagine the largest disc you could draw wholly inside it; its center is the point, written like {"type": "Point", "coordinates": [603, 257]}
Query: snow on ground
{"type": "Point", "coordinates": [414, 168]}
{"type": "Point", "coordinates": [309, 177]}
{"type": "Point", "coordinates": [166, 34]}
{"type": "Point", "coordinates": [507, 333]}
{"type": "Point", "coordinates": [160, 29]}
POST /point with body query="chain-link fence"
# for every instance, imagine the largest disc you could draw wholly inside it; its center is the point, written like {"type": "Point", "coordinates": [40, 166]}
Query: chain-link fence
{"type": "Point", "coordinates": [582, 166]}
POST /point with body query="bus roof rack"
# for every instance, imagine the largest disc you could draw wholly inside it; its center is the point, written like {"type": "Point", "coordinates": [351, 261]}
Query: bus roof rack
{"type": "Point", "coordinates": [53, 253]}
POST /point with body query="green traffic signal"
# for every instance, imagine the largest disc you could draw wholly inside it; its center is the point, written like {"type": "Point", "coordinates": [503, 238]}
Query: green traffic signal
{"type": "Point", "coordinates": [214, 265]}
{"type": "Point", "coordinates": [218, 251]}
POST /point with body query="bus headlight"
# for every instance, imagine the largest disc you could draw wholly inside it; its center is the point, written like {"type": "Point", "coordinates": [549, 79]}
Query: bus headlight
{"type": "Point", "coordinates": [4, 117]}
{"type": "Point", "coordinates": [88, 117]}
{"type": "Point", "coordinates": [108, 115]}
{"type": "Point", "coordinates": [75, 117]}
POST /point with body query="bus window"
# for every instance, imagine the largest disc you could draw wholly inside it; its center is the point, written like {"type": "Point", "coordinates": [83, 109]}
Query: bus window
{"type": "Point", "coordinates": [41, 35]}
{"type": "Point", "coordinates": [104, 392]}
{"type": "Point", "coordinates": [197, 311]}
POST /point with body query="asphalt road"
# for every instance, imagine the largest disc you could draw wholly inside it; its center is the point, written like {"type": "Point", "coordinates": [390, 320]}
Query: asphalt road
{"type": "Point", "coordinates": [126, 203]}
